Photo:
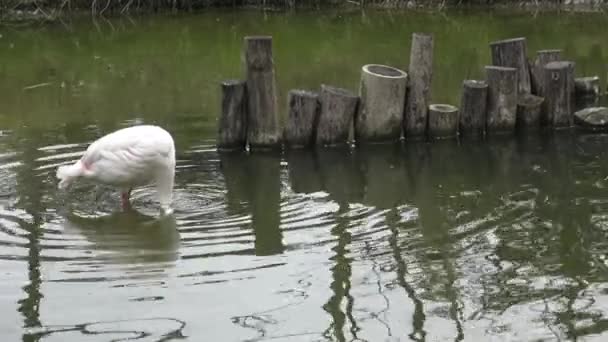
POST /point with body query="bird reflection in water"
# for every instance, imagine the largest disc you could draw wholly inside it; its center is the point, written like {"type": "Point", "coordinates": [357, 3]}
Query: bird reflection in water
{"type": "Point", "coordinates": [129, 236]}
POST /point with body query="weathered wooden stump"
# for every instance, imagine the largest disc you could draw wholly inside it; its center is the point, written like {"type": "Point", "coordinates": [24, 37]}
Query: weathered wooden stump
{"type": "Point", "coordinates": [232, 127]}
{"type": "Point", "coordinates": [542, 58]}
{"type": "Point", "coordinates": [338, 107]}
{"type": "Point", "coordinates": [557, 108]}
{"type": "Point", "coordinates": [420, 74]}
{"type": "Point", "coordinates": [587, 86]}
{"type": "Point", "coordinates": [443, 121]}
{"type": "Point", "coordinates": [473, 108]}
{"type": "Point", "coordinates": [512, 53]}
{"type": "Point", "coordinates": [382, 94]}
{"type": "Point", "coordinates": [592, 119]}
{"type": "Point", "coordinates": [528, 111]}
{"type": "Point", "coordinates": [303, 111]}
{"type": "Point", "coordinates": [262, 120]}
{"type": "Point", "coordinates": [502, 99]}
{"type": "Point", "coordinates": [586, 92]}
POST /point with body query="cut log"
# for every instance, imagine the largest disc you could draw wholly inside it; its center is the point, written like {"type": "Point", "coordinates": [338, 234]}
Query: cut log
{"type": "Point", "coordinates": [592, 119]}
{"type": "Point", "coordinates": [382, 93]}
{"type": "Point", "coordinates": [502, 99]}
{"type": "Point", "coordinates": [232, 128]}
{"type": "Point", "coordinates": [587, 86]}
{"type": "Point", "coordinates": [557, 108]}
{"type": "Point", "coordinates": [262, 121]}
{"type": "Point", "coordinates": [443, 121]}
{"type": "Point", "coordinates": [473, 108]}
{"type": "Point", "coordinates": [586, 92]}
{"type": "Point", "coordinates": [542, 58]}
{"type": "Point", "coordinates": [420, 75]}
{"type": "Point", "coordinates": [303, 111]}
{"type": "Point", "coordinates": [528, 112]}
{"type": "Point", "coordinates": [512, 53]}
{"type": "Point", "coordinates": [338, 108]}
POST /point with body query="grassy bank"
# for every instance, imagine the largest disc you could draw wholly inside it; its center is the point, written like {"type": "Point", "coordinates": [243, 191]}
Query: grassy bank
{"type": "Point", "coordinates": [51, 9]}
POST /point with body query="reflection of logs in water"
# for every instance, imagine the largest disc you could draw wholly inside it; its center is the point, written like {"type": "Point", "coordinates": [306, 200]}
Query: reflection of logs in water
{"type": "Point", "coordinates": [255, 179]}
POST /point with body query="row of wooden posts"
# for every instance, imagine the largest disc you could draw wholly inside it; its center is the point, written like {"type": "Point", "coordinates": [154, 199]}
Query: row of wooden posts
{"type": "Point", "coordinates": [393, 104]}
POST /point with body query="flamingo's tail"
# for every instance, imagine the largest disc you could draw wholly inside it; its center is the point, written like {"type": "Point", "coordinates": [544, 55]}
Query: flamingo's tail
{"type": "Point", "coordinates": [68, 173]}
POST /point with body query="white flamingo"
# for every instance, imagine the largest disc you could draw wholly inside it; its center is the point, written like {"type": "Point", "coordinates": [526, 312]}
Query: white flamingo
{"type": "Point", "coordinates": [128, 158]}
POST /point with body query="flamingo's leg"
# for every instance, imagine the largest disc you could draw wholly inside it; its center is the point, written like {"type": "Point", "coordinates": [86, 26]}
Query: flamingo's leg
{"type": "Point", "coordinates": [124, 196]}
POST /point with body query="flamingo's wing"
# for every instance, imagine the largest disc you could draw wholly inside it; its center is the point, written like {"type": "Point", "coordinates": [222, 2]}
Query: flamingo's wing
{"type": "Point", "coordinates": [126, 158]}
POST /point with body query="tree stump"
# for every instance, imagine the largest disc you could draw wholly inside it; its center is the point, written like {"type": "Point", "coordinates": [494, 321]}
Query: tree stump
{"type": "Point", "coordinates": [262, 121]}
{"type": "Point", "coordinates": [338, 107]}
{"type": "Point", "coordinates": [473, 108]}
{"type": "Point", "coordinates": [232, 128]}
{"type": "Point", "coordinates": [420, 75]}
{"type": "Point", "coordinates": [587, 86]}
{"type": "Point", "coordinates": [303, 111]}
{"type": "Point", "coordinates": [542, 58]}
{"type": "Point", "coordinates": [557, 108]}
{"type": "Point", "coordinates": [528, 112]}
{"type": "Point", "coordinates": [443, 121]}
{"type": "Point", "coordinates": [586, 92]}
{"type": "Point", "coordinates": [382, 93]}
{"type": "Point", "coordinates": [512, 53]}
{"type": "Point", "coordinates": [502, 99]}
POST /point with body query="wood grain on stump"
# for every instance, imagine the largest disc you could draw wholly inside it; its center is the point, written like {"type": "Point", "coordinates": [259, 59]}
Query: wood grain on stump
{"type": "Point", "coordinates": [232, 128]}
{"type": "Point", "coordinates": [262, 121]}
{"type": "Point", "coordinates": [338, 107]}
{"type": "Point", "coordinates": [473, 106]}
{"type": "Point", "coordinates": [528, 112]}
{"type": "Point", "coordinates": [303, 109]}
{"type": "Point", "coordinates": [420, 74]}
{"type": "Point", "coordinates": [502, 99]}
{"type": "Point", "coordinates": [557, 108]}
{"type": "Point", "coordinates": [443, 121]}
{"type": "Point", "coordinates": [382, 94]}
{"type": "Point", "coordinates": [542, 58]}
{"type": "Point", "coordinates": [513, 53]}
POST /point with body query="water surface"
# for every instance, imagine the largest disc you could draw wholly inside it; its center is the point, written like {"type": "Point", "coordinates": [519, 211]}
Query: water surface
{"type": "Point", "coordinates": [501, 240]}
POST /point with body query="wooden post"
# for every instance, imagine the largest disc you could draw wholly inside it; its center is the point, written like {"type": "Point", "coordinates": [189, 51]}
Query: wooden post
{"type": "Point", "coordinates": [420, 75]}
{"type": "Point", "coordinates": [587, 86]}
{"type": "Point", "coordinates": [512, 53]}
{"type": "Point", "coordinates": [232, 128]}
{"type": "Point", "coordinates": [586, 92]}
{"type": "Point", "coordinates": [557, 108]}
{"type": "Point", "coordinates": [380, 114]}
{"type": "Point", "coordinates": [303, 111]}
{"type": "Point", "coordinates": [502, 99]}
{"type": "Point", "coordinates": [443, 121]}
{"type": "Point", "coordinates": [473, 108]}
{"type": "Point", "coordinates": [542, 58]}
{"type": "Point", "coordinates": [528, 112]}
{"type": "Point", "coordinates": [262, 124]}
{"type": "Point", "coordinates": [338, 107]}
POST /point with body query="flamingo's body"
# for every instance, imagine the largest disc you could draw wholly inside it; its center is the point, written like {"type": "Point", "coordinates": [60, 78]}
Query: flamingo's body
{"type": "Point", "coordinates": [128, 158]}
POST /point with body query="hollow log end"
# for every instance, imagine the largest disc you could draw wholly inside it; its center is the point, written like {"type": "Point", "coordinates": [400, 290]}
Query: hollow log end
{"type": "Point", "coordinates": [475, 83]}
{"type": "Point", "coordinates": [383, 71]}
{"type": "Point", "coordinates": [443, 108]}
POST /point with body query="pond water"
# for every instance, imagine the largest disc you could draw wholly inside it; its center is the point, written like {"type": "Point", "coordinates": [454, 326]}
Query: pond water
{"type": "Point", "coordinates": [499, 240]}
